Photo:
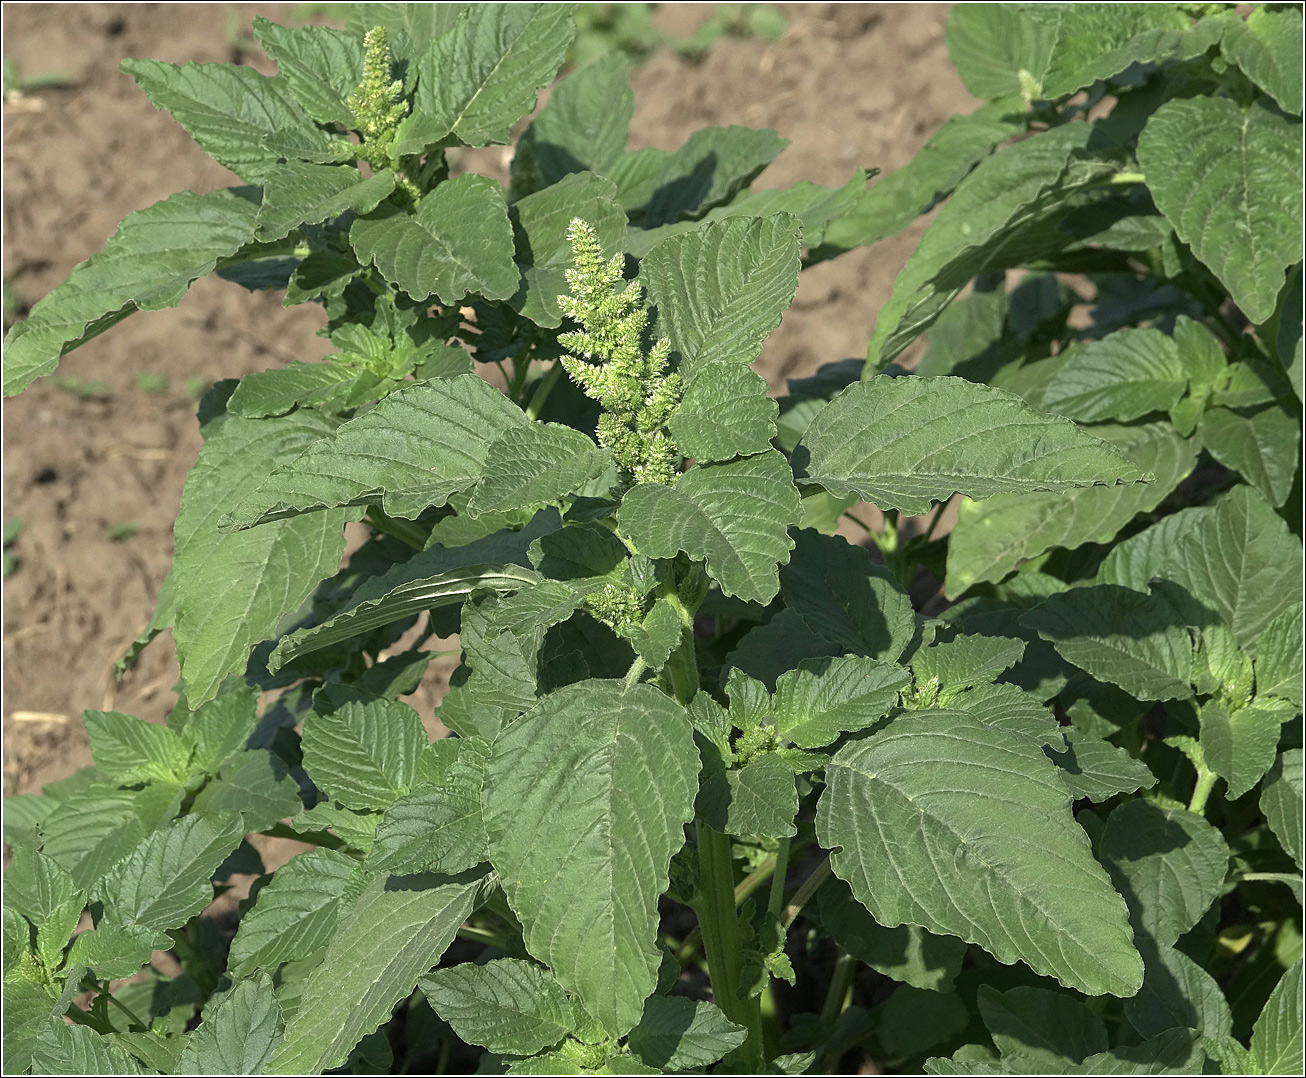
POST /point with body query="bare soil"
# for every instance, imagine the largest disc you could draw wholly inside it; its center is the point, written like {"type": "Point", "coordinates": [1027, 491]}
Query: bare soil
{"type": "Point", "coordinates": [848, 84]}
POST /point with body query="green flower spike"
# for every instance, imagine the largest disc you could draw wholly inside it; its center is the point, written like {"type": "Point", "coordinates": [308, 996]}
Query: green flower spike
{"type": "Point", "coordinates": [638, 396]}
{"type": "Point", "coordinates": [379, 107]}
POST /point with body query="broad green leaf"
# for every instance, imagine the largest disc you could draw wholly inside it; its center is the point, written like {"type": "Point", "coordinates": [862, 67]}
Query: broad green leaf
{"type": "Point", "coordinates": [720, 289]}
{"type": "Point", "coordinates": [1242, 561]}
{"type": "Point", "coordinates": [277, 391]}
{"type": "Point", "coordinates": [364, 754]}
{"type": "Point", "coordinates": [905, 443]}
{"type": "Point", "coordinates": [132, 750]}
{"type": "Point", "coordinates": [994, 536]}
{"type": "Point", "coordinates": [679, 1034]}
{"type": "Point", "coordinates": [1176, 1051]}
{"type": "Point", "coordinates": [1262, 444]}
{"type": "Point", "coordinates": [536, 465]}
{"type": "Point", "coordinates": [507, 1005]}
{"type": "Point", "coordinates": [984, 848]}
{"type": "Point", "coordinates": [964, 661]}
{"type": "Point", "coordinates": [22, 812]}
{"type": "Point", "coordinates": [245, 120]}
{"type": "Point", "coordinates": [844, 598]}
{"type": "Point", "coordinates": [165, 880]}
{"type": "Point", "coordinates": [397, 930]}
{"type": "Point", "coordinates": [257, 784]}
{"type": "Point", "coordinates": [1123, 637]}
{"type": "Point", "coordinates": [411, 451]}
{"type": "Point", "coordinates": [296, 912]}
{"type": "Point", "coordinates": [412, 27]}
{"type": "Point", "coordinates": [231, 589]}
{"type": "Point", "coordinates": [822, 698]}
{"type": "Point", "coordinates": [724, 413]}
{"type": "Point", "coordinates": [1239, 746]}
{"type": "Point", "coordinates": [1177, 992]}
{"type": "Point", "coordinates": [62, 1048]}
{"type": "Point", "coordinates": [237, 1032]}
{"type": "Point", "coordinates": [481, 76]}
{"type": "Point", "coordinates": [1279, 657]}
{"type": "Point", "coordinates": [147, 265]}
{"type": "Point", "coordinates": [322, 67]}
{"type": "Point", "coordinates": [94, 829]}
{"type": "Point", "coordinates": [220, 728]}
{"type": "Point", "coordinates": [1281, 801]}
{"type": "Point", "coordinates": [778, 645]}
{"type": "Point", "coordinates": [907, 953]}
{"type": "Point", "coordinates": [27, 1006]}
{"type": "Point", "coordinates": [1039, 1030]}
{"type": "Point", "coordinates": [1229, 180]}
{"type": "Point", "coordinates": [1124, 375]}
{"type": "Point", "coordinates": [1003, 48]}
{"type": "Point", "coordinates": [1268, 49]}
{"type": "Point", "coordinates": [1168, 863]}
{"type": "Point", "coordinates": [299, 193]}
{"type": "Point", "coordinates": [458, 242]}
{"type": "Point", "coordinates": [734, 516]}
{"type": "Point", "coordinates": [1133, 562]}
{"type": "Point", "coordinates": [1093, 768]}
{"type": "Point", "coordinates": [971, 233]}
{"type": "Point", "coordinates": [36, 884]}
{"type": "Point", "coordinates": [543, 251]}
{"type": "Point", "coordinates": [115, 951]}
{"type": "Point", "coordinates": [1008, 707]}
{"type": "Point", "coordinates": [582, 127]}
{"type": "Point", "coordinates": [1277, 1038]}
{"type": "Point", "coordinates": [1102, 40]}
{"type": "Point", "coordinates": [585, 801]}
{"type": "Point", "coordinates": [756, 801]}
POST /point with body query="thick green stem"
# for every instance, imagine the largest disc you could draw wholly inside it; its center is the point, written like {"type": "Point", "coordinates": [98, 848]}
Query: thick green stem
{"type": "Point", "coordinates": [721, 943]}
{"type": "Point", "coordinates": [542, 390]}
{"type": "Point", "coordinates": [750, 883]}
{"type": "Point", "coordinates": [778, 879]}
{"type": "Point", "coordinates": [1205, 783]}
{"type": "Point", "coordinates": [131, 1015]}
{"type": "Point", "coordinates": [404, 530]}
{"type": "Point", "coordinates": [805, 892]}
{"type": "Point", "coordinates": [841, 985]}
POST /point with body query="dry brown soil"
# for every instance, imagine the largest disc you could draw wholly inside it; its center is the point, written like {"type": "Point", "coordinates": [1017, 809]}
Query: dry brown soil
{"type": "Point", "coordinates": [848, 84]}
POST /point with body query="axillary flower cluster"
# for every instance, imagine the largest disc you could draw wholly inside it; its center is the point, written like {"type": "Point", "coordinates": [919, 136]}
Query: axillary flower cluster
{"type": "Point", "coordinates": [638, 396]}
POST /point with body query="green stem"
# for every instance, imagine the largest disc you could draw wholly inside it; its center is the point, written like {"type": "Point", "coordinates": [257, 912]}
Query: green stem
{"type": "Point", "coordinates": [521, 367]}
{"type": "Point", "coordinates": [1205, 783]}
{"type": "Point", "coordinates": [778, 878]}
{"type": "Point", "coordinates": [404, 530]}
{"type": "Point", "coordinates": [131, 1015]}
{"type": "Point", "coordinates": [805, 892]}
{"type": "Point", "coordinates": [193, 961]}
{"type": "Point", "coordinates": [721, 943]}
{"type": "Point", "coordinates": [636, 669]}
{"type": "Point", "coordinates": [542, 390]}
{"type": "Point", "coordinates": [750, 883]}
{"type": "Point", "coordinates": [841, 986]}
{"type": "Point", "coordinates": [483, 935]}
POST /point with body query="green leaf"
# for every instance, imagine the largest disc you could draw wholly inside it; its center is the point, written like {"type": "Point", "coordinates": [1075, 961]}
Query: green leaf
{"type": "Point", "coordinates": [841, 596]}
{"type": "Point", "coordinates": [992, 44]}
{"type": "Point", "coordinates": [1279, 657]}
{"type": "Point", "coordinates": [480, 77]}
{"type": "Point", "coordinates": [1268, 49]}
{"type": "Point", "coordinates": [905, 443]}
{"type": "Point", "coordinates": [964, 661]}
{"type": "Point", "coordinates": [778, 645]}
{"type": "Point", "coordinates": [220, 728]}
{"type": "Point", "coordinates": [907, 953]}
{"type": "Point", "coordinates": [755, 802]}
{"type": "Point", "coordinates": [1124, 375]}
{"type": "Point", "coordinates": [397, 930]}
{"type": "Point", "coordinates": [1039, 1030]}
{"type": "Point", "coordinates": [322, 67]}
{"type": "Point", "coordinates": [231, 589]}
{"type": "Point", "coordinates": [586, 797]}
{"type": "Point", "coordinates": [1120, 636]}
{"type": "Point", "coordinates": [973, 231]}
{"type": "Point", "coordinates": [67, 1049]}
{"type": "Point", "coordinates": [536, 465]}
{"type": "Point", "coordinates": [1093, 768]}
{"type": "Point", "coordinates": [1239, 746]}
{"type": "Point", "coordinates": [1008, 707]}
{"type": "Point", "coordinates": [115, 951]}
{"type": "Point", "coordinates": [679, 1034]}
{"type": "Point", "coordinates": [1229, 181]}
{"type": "Point", "coordinates": [1260, 443]}
{"type": "Point", "coordinates": [1281, 801]}
{"type": "Point", "coordinates": [1177, 992]}
{"type": "Point", "coordinates": [984, 848]}
{"type": "Point", "coordinates": [544, 253]}
{"type": "Point", "coordinates": [27, 1006]}
{"type": "Point", "coordinates": [132, 750]}
{"type": "Point", "coordinates": [364, 754]}
{"type": "Point", "coordinates": [415, 448]}
{"type": "Point", "coordinates": [734, 516]}
{"type": "Point", "coordinates": [1277, 1037]}
{"type": "Point", "coordinates": [237, 1032]}
{"type": "Point", "coordinates": [165, 880]}
{"type": "Point", "coordinates": [94, 829]}
{"type": "Point", "coordinates": [582, 127]}
{"type": "Point", "coordinates": [1168, 863]}
{"type": "Point", "coordinates": [507, 1005]}
{"type": "Point", "coordinates": [277, 391]}
{"type": "Point", "coordinates": [296, 912]}
{"type": "Point", "coordinates": [823, 698]}
{"type": "Point", "coordinates": [458, 242]}
{"type": "Point", "coordinates": [720, 289]}
{"type": "Point", "coordinates": [257, 784]}
{"type": "Point", "coordinates": [1101, 41]}
{"type": "Point", "coordinates": [995, 536]}
{"type": "Point", "coordinates": [1242, 561]}
{"type": "Point", "coordinates": [724, 413]}
{"type": "Point", "coordinates": [1133, 562]}
{"type": "Point", "coordinates": [299, 193]}
{"type": "Point", "coordinates": [147, 265]}
{"type": "Point", "coordinates": [412, 27]}
{"type": "Point", "coordinates": [245, 120]}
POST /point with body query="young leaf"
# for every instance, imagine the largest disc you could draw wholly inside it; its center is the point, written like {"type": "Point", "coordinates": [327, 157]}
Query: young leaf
{"type": "Point", "coordinates": [275, 392]}
{"type": "Point", "coordinates": [1093, 768]}
{"type": "Point", "coordinates": [220, 728]}
{"type": "Point", "coordinates": [536, 465]}
{"type": "Point", "coordinates": [1167, 862]}
{"type": "Point", "coordinates": [734, 516]}
{"type": "Point", "coordinates": [1262, 444]}
{"type": "Point", "coordinates": [822, 698]}
{"type": "Point", "coordinates": [61, 1048]}
{"type": "Point", "coordinates": [507, 1005]}
{"type": "Point", "coordinates": [904, 443]}
{"type": "Point", "coordinates": [397, 930]}
{"type": "Point", "coordinates": [231, 589]}
{"type": "Point", "coordinates": [1003, 48]}
{"type": "Point", "coordinates": [257, 784]}
{"type": "Point", "coordinates": [237, 1033]}
{"type": "Point", "coordinates": [94, 829]}
{"type": "Point", "coordinates": [1265, 46]}
{"type": "Point", "coordinates": [458, 242]}
{"type": "Point", "coordinates": [585, 800]}
{"type": "Point", "coordinates": [1277, 1038]}
{"type": "Point", "coordinates": [134, 751]}
{"type": "Point", "coordinates": [756, 801]}
{"type": "Point", "coordinates": [954, 792]}
{"type": "Point", "coordinates": [147, 265]}
{"type": "Point", "coordinates": [322, 67]}
{"type": "Point", "coordinates": [1039, 1030]}
{"type": "Point", "coordinates": [299, 193]}
{"type": "Point", "coordinates": [364, 754]}
{"type": "Point", "coordinates": [415, 448]}
{"type": "Point", "coordinates": [113, 951]}
{"type": "Point", "coordinates": [1124, 375]}
{"type": "Point", "coordinates": [1281, 801]}
{"type": "Point", "coordinates": [1228, 179]}
{"type": "Point", "coordinates": [724, 413]}
{"type": "Point", "coordinates": [1239, 746]}
{"type": "Point", "coordinates": [480, 77]}
{"type": "Point", "coordinates": [679, 1034]}
{"type": "Point", "coordinates": [1099, 42]}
